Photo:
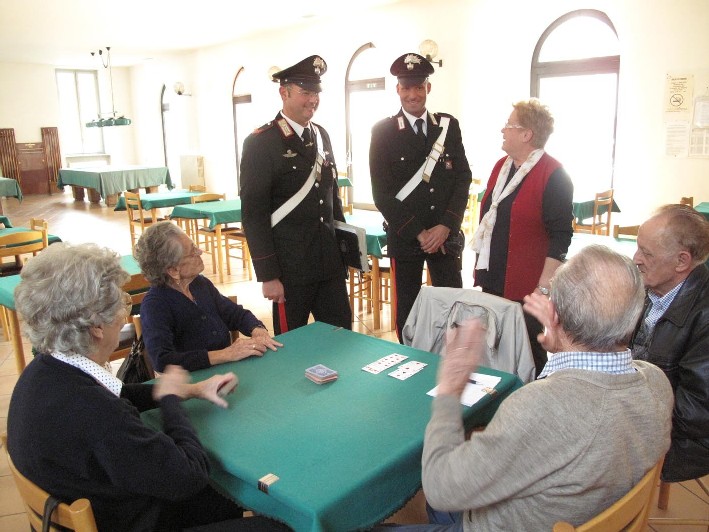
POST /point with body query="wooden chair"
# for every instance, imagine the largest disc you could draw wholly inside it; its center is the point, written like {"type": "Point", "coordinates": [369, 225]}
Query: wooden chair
{"type": "Point", "coordinates": [470, 216]}
{"type": "Point", "coordinates": [137, 287]}
{"type": "Point", "coordinates": [343, 193]}
{"type": "Point", "coordinates": [687, 201]}
{"type": "Point", "coordinates": [601, 221]}
{"type": "Point", "coordinates": [630, 513]}
{"type": "Point", "coordinates": [204, 237]}
{"type": "Point", "coordinates": [76, 516]}
{"type": "Point", "coordinates": [137, 217]}
{"type": "Point", "coordinates": [197, 188]}
{"type": "Point", "coordinates": [663, 500]}
{"type": "Point", "coordinates": [38, 224]}
{"type": "Point", "coordinates": [628, 230]}
{"type": "Point", "coordinates": [17, 244]}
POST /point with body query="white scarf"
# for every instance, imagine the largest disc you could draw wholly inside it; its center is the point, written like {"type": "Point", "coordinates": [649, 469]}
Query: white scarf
{"type": "Point", "coordinates": [483, 235]}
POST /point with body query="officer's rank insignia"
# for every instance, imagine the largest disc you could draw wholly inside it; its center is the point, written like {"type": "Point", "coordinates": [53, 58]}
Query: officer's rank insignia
{"type": "Point", "coordinates": [411, 60]}
{"type": "Point", "coordinates": [285, 128]}
{"type": "Point", "coordinates": [402, 126]}
{"type": "Point", "coordinates": [289, 154]}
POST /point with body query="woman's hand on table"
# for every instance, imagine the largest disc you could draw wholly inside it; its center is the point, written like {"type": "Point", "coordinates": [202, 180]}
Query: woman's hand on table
{"type": "Point", "coordinates": [176, 381]}
{"type": "Point", "coordinates": [215, 388]}
{"type": "Point", "coordinates": [261, 336]}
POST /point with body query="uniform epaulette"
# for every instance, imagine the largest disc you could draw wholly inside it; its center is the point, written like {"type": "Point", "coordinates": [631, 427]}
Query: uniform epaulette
{"type": "Point", "coordinates": [263, 128]}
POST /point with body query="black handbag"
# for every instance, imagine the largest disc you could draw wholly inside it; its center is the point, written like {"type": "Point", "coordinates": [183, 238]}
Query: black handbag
{"type": "Point", "coordinates": [134, 369]}
{"type": "Point", "coordinates": [454, 244]}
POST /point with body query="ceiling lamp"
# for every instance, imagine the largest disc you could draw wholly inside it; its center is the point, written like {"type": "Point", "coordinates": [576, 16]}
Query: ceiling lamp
{"type": "Point", "coordinates": [112, 120]}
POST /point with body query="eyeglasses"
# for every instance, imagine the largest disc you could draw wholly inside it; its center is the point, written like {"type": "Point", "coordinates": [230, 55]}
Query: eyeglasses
{"type": "Point", "coordinates": [513, 126]}
{"type": "Point", "coordinates": [307, 94]}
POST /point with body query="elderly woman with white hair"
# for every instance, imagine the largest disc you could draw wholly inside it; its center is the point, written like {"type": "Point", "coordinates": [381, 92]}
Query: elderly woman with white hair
{"type": "Point", "coordinates": [186, 320]}
{"type": "Point", "coordinates": [75, 430]}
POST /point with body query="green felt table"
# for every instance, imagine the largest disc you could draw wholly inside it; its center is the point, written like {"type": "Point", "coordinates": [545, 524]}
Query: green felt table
{"type": "Point", "coordinates": [217, 212]}
{"type": "Point", "coordinates": [5, 221]}
{"type": "Point", "coordinates": [703, 208]}
{"type": "Point", "coordinates": [160, 200]}
{"type": "Point", "coordinates": [7, 300]}
{"type": "Point", "coordinates": [10, 188]}
{"type": "Point", "coordinates": [584, 209]}
{"type": "Point", "coordinates": [371, 222]}
{"type": "Point", "coordinates": [347, 453]}
{"type": "Point", "coordinates": [344, 182]}
{"type": "Point", "coordinates": [108, 180]}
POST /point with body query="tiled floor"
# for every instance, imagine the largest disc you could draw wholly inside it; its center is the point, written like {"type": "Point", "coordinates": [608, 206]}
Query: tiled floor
{"type": "Point", "coordinates": [84, 222]}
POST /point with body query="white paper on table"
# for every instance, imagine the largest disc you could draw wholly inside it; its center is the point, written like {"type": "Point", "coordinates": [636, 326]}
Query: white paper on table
{"type": "Point", "coordinates": [475, 390]}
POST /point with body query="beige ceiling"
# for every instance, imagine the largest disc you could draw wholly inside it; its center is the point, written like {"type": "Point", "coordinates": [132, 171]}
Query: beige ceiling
{"type": "Point", "coordinates": [64, 32]}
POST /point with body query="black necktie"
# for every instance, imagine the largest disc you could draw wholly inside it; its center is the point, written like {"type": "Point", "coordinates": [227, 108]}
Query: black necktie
{"type": "Point", "coordinates": [419, 131]}
{"type": "Point", "coordinates": [307, 139]}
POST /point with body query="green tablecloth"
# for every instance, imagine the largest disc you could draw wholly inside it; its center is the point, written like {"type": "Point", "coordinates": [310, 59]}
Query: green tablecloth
{"type": "Point", "coordinates": [159, 200]}
{"type": "Point", "coordinates": [5, 221]}
{"type": "Point", "coordinates": [8, 284]}
{"type": "Point", "coordinates": [371, 221]}
{"type": "Point", "coordinates": [624, 246]}
{"type": "Point", "coordinates": [344, 182]}
{"type": "Point", "coordinates": [217, 212]}
{"type": "Point", "coordinates": [109, 180]}
{"type": "Point", "coordinates": [584, 209]}
{"type": "Point", "coordinates": [9, 230]}
{"type": "Point", "coordinates": [348, 453]}
{"type": "Point", "coordinates": [10, 188]}
{"type": "Point", "coordinates": [703, 208]}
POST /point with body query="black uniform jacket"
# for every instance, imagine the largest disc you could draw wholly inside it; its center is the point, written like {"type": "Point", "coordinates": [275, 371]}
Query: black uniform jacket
{"type": "Point", "coordinates": [395, 154]}
{"type": "Point", "coordinates": [302, 248]}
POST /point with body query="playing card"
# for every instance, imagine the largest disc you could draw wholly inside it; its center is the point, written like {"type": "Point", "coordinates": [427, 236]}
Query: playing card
{"type": "Point", "coordinates": [405, 371]}
{"type": "Point", "coordinates": [383, 363]}
{"type": "Point", "coordinates": [321, 372]}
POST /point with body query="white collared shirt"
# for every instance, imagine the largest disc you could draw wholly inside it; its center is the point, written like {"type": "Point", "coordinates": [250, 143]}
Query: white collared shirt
{"type": "Point", "coordinates": [412, 120]}
{"type": "Point", "coordinates": [299, 129]}
{"type": "Point", "coordinates": [91, 368]}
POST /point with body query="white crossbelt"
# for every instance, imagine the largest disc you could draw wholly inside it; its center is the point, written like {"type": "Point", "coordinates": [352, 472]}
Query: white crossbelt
{"type": "Point", "coordinates": [285, 209]}
{"type": "Point", "coordinates": [424, 173]}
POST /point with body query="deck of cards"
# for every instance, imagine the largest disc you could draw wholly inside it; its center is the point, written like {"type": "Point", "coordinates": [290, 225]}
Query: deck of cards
{"type": "Point", "coordinates": [321, 374]}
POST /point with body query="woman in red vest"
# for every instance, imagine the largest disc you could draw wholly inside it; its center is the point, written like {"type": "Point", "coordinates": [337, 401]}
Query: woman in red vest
{"type": "Point", "coordinates": [526, 215]}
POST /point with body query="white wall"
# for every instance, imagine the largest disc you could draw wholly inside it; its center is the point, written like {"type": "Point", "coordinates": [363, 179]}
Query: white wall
{"type": "Point", "coordinates": [486, 46]}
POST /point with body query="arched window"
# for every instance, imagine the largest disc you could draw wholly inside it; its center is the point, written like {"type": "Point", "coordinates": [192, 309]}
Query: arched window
{"type": "Point", "coordinates": [575, 71]}
{"type": "Point", "coordinates": [241, 97]}
{"type": "Point", "coordinates": [365, 104]}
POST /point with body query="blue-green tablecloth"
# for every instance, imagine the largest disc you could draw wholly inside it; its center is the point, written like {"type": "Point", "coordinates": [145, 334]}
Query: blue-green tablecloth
{"type": "Point", "coordinates": [583, 210]}
{"type": "Point", "coordinates": [217, 212]}
{"type": "Point", "coordinates": [10, 188]}
{"type": "Point", "coordinates": [703, 208]}
{"type": "Point", "coordinates": [371, 222]}
{"type": "Point", "coordinates": [160, 200]}
{"type": "Point", "coordinates": [347, 453]}
{"type": "Point", "coordinates": [109, 180]}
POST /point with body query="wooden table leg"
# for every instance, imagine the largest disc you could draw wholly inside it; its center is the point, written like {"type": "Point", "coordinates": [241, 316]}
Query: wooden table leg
{"type": "Point", "coordinates": [77, 192]}
{"type": "Point", "coordinates": [376, 293]}
{"type": "Point", "coordinates": [219, 252]}
{"type": "Point", "coordinates": [16, 340]}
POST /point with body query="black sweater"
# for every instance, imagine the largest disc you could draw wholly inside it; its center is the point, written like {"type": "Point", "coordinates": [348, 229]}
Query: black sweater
{"type": "Point", "coordinates": [74, 438]}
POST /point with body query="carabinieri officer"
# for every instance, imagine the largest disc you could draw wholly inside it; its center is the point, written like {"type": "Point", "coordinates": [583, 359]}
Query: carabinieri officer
{"type": "Point", "coordinates": [289, 203]}
{"type": "Point", "coordinates": [420, 188]}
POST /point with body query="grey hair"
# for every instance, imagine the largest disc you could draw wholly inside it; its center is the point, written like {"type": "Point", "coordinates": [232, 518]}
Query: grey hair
{"type": "Point", "coordinates": [67, 289]}
{"type": "Point", "coordinates": [158, 249]}
{"type": "Point", "coordinates": [598, 295]}
{"type": "Point", "coordinates": [684, 229]}
{"type": "Point", "coordinates": [536, 116]}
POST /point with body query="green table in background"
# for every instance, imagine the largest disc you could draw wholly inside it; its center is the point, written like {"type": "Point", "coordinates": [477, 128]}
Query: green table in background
{"type": "Point", "coordinates": [9, 188]}
{"type": "Point", "coordinates": [112, 180]}
{"type": "Point", "coordinates": [703, 208]}
{"type": "Point", "coordinates": [347, 453]}
{"type": "Point", "coordinates": [7, 300]}
{"type": "Point", "coordinates": [583, 210]}
{"type": "Point", "coordinates": [160, 200]}
{"type": "Point", "coordinates": [624, 246]}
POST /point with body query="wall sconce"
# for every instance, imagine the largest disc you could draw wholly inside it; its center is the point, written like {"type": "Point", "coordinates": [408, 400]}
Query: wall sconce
{"type": "Point", "coordinates": [180, 89]}
{"type": "Point", "coordinates": [429, 49]}
{"type": "Point", "coordinates": [273, 70]}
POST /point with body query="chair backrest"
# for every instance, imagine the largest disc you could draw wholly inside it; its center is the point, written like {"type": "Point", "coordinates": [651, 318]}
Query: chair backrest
{"type": "Point", "coordinates": [208, 197]}
{"type": "Point", "coordinates": [603, 199]}
{"type": "Point", "coordinates": [137, 286]}
{"type": "Point", "coordinates": [630, 513]}
{"type": "Point", "coordinates": [687, 201]}
{"type": "Point", "coordinates": [134, 207]}
{"type": "Point", "coordinates": [628, 230]}
{"type": "Point", "coordinates": [75, 516]}
{"type": "Point", "coordinates": [38, 224]}
{"type": "Point", "coordinates": [197, 188]}
{"type": "Point", "coordinates": [29, 241]}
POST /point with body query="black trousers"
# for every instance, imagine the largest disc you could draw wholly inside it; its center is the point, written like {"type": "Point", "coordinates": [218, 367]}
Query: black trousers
{"type": "Point", "coordinates": [444, 269]}
{"type": "Point", "coordinates": [327, 301]}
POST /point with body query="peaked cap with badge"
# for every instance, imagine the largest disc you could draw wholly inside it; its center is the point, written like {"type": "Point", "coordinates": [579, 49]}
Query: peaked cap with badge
{"type": "Point", "coordinates": [305, 74]}
{"type": "Point", "coordinates": [411, 69]}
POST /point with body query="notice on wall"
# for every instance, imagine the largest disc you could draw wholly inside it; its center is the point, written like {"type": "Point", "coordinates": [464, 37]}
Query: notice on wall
{"type": "Point", "coordinates": [678, 97]}
{"type": "Point", "coordinates": [677, 138]}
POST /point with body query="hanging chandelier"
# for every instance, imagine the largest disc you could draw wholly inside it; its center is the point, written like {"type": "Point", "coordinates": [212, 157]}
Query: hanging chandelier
{"type": "Point", "coordinates": [109, 119]}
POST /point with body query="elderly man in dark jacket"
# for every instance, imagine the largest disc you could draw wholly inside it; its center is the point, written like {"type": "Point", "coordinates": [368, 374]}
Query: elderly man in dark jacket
{"type": "Point", "coordinates": [673, 332]}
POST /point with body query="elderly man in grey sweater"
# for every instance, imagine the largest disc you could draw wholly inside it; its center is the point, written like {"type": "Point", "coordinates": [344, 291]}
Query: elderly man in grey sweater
{"type": "Point", "coordinates": [570, 444]}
